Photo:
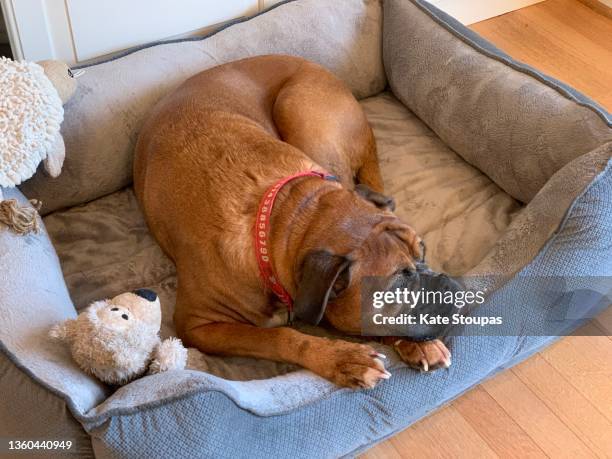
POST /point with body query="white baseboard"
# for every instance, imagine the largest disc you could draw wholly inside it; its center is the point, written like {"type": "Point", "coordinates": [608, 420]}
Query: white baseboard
{"type": "Point", "coordinates": [471, 11]}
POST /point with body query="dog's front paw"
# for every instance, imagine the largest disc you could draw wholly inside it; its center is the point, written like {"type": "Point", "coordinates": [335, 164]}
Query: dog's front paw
{"type": "Point", "coordinates": [352, 365]}
{"type": "Point", "coordinates": [423, 355]}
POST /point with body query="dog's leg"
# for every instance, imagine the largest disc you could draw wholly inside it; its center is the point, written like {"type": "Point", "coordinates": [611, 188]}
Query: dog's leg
{"type": "Point", "coordinates": [422, 355]}
{"type": "Point", "coordinates": [369, 183]}
{"type": "Point", "coordinates": [368, 172]}
{"type": "Point", "coordinates": [344, 363]}
{"type": "Point", "coordinates": [317, 114]}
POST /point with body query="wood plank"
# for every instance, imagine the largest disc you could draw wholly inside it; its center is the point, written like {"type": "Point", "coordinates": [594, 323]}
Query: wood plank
{"type": "Point", "coordinates": [495, 426]}
{"type": "Point", "coordinates": [589, 28]}
{"type": "Point", "coordinates": [446, 434]}
{"type": "Point", "coordinates": [585, 420]}
{"type": "Point", "coordinates": [471, 11]}
{"type": "Point", "coordinates": [535, 418]}
{"type": "Point", "coordinates": [599, 7]}
{"type": "Point", "coordinates": [585, 362]}
{"type": "Point", "coordinates": [604, 322]}
{"type": "Point", "coordinates": [562, 38]}
{"type": "Point", "coordinates": [384, 450]}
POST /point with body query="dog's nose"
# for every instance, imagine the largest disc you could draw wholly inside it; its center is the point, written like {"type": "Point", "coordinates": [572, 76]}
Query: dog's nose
{"type": "Point", "coordinates": [145, 293]}
{"type": "Point", "coordinates": [447, 283]}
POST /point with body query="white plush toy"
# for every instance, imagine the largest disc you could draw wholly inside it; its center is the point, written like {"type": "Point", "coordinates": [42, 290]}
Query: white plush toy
{"type": "Point", "coordinates": [118, 340]}
{"type": "Point", "coordinates": [31, 112]}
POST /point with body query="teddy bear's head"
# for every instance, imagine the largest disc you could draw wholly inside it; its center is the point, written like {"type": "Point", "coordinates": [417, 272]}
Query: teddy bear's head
{"type": "Point", "coordinates": [129, 312]}
{"type": "Point", "coordinates": [115, 339]}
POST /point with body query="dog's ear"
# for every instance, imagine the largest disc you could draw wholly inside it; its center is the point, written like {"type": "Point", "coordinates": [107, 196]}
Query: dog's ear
{"type": "Point", "coordinates": [324, 276]}
{"type": "Point", "coordinates": [380, 200]}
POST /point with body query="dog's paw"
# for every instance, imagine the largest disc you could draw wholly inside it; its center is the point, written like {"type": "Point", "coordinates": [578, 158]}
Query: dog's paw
{"type": "Point", "coordinates": [353, 365]}
{"type": "Point", "coordinates": [423, 355]}
{"type": "Point", "coordinates": [382, 201]}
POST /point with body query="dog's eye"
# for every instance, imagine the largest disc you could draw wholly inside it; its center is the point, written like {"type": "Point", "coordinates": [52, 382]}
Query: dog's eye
{"type": "Point", "coordinates": [115, 309]}
{"type": "Point", "coordinates": [124, 316]}
{"type": "Point", "coordinates": [405, 272]}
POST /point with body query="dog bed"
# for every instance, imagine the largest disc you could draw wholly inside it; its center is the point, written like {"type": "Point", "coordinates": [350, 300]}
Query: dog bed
{"type": "Point", "coordinates": [505, 172]}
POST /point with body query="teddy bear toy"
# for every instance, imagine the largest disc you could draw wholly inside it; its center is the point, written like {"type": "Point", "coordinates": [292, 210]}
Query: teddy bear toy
{"type": "Point", "coordinates": [31, 112]}
{"type": "Point", "coordinates": [118, 340]}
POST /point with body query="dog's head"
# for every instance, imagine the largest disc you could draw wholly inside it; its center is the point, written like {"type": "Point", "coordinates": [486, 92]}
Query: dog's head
{"type": "Point", "coordinates": [331, 276]}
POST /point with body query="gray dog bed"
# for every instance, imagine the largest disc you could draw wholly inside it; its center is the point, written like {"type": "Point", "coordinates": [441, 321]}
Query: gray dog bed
{"type": "Point", "coordinates": [503, 170]}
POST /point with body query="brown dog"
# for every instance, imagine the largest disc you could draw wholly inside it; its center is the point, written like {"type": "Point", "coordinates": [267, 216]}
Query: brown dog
{"type": "Point", "coordinates": [205, 159]}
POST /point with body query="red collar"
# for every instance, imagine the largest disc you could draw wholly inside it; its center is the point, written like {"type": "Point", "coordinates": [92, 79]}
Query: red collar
{"type": "Point", "coordinates": [262, 233]}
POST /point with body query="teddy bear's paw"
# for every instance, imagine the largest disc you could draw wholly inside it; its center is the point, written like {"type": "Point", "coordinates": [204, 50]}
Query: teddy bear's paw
{"type": "Point", "coordinates": [61, 331]}
{"type": "Point", "coordinates": [169, 355]}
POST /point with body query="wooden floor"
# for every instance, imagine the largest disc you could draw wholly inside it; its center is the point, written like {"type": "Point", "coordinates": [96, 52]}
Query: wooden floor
{"type": "Point", "coordinates": [559, 402]}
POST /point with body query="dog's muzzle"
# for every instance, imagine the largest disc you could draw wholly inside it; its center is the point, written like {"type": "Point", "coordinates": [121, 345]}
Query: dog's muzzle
{"type": "Point", "coordinates": [434, 290]}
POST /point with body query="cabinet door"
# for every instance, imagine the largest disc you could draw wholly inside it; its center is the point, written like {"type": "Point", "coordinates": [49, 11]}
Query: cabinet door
{"type": "Point", "coordinates": [77, 30]}
{"type": "Point", "coordinates": [107, 26]}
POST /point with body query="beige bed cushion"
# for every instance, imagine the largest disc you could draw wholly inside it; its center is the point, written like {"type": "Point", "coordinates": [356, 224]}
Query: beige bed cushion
{"type": "Point", "coordinates": [459, 211]}
{"type": "Point", "coordinates": [103, 118]}
{"type": "Point", "coordinates": [470, 225]}
{"type": "Point", "coordinates": [467, 221]}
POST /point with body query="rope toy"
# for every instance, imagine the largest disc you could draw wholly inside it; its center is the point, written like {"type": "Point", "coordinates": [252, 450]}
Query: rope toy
{"type": "Point", "coordinates": [20, 219]}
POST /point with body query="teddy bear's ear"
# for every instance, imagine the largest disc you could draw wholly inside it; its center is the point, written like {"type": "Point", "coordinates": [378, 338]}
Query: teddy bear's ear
{"type": "Point", "coordinates": [61, 331]}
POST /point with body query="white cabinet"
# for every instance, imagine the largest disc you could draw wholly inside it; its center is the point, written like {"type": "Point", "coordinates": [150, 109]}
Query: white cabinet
{"type": "Point", "coordinates": [78, 30]}
{"type": "Point", "coordinates": [104, 27]}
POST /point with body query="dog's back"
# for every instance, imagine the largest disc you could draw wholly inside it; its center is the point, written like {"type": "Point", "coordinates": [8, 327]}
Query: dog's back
{"type": "Point", "coordinates": [210, 148]}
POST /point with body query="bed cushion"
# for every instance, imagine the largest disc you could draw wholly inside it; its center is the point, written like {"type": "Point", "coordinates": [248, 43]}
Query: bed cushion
{"type": "Point", "coordinates": [513, 123]}
{"type": "Point", "coordinates": [103, 117]}
{"type": "Point", "coordinates": [315, 417]}
{"type": "Point", "coordinates": [458, 210]}
{"type": "Point", "coordinates": [105, 247]}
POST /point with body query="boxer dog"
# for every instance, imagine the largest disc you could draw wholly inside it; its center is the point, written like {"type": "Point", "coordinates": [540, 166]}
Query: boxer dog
{"type": "Point", "coordinates": [259, 178]}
